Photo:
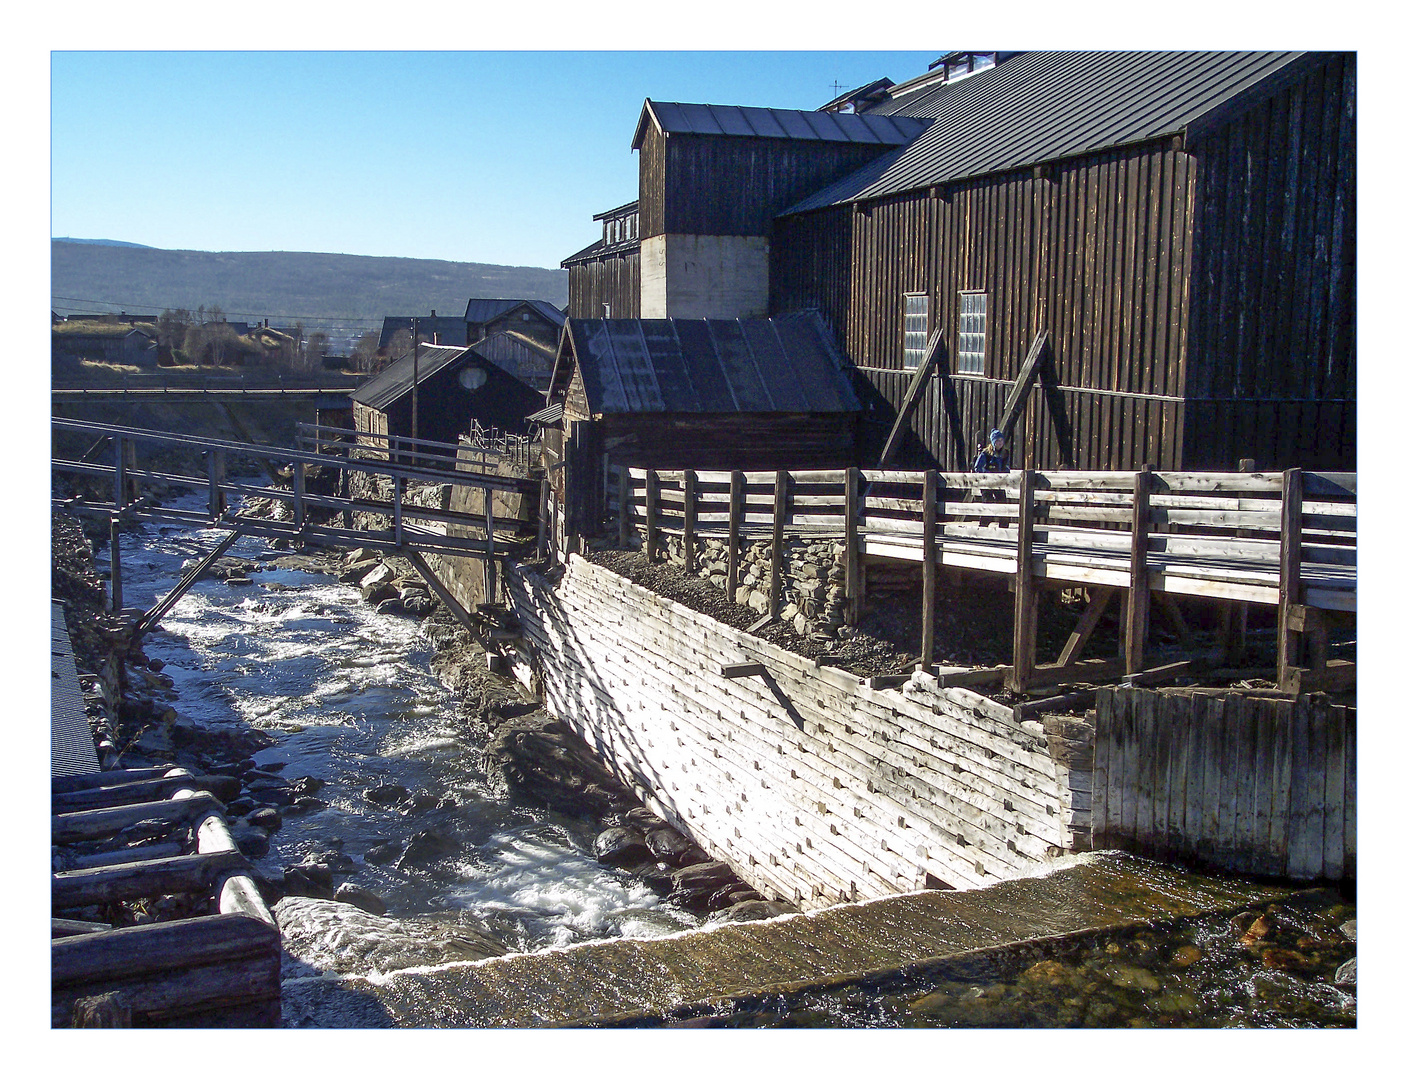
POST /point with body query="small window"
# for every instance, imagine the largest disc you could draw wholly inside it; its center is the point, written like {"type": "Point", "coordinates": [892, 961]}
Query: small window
{"type": "Point", "coordinates": [606, 311]}
{"type": "Point", "coordinates": [972, 332]}
{"type": "Point", "coordinates": [916, 328]}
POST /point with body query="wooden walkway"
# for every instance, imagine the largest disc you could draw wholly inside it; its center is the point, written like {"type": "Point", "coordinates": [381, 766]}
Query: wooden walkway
{"type": "Point", "coordinates": [1284, 539]}
{"type": "Point", "coordinates": [312, 515]}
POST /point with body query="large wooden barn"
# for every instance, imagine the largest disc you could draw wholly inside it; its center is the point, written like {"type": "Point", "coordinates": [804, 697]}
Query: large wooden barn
{"type": "Point", "coordinates": [1181, 226]}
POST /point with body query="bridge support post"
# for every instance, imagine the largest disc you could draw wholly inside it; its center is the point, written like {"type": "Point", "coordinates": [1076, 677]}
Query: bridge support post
{"type": "Point", "coordinates": [931, 568]}
{"type": "Point", "coordinates": [779, 520]}
{"type": "Point", "coordinates": [115, 562]}
{"type": "Point", "coordinates": [690, 518]}
{"type": "Point", "coordinates": [490, 570]}
{"type": "Point", "coordinates": [1024, 593]}
{"type": "Point", "coordinates": [215, 471]}
{"type": "Point", "coordinates": [736, 481]}
{"type": "Point", "coordinates": [855, 568]}
{"type": "Point", "coordinates": [1136, 612]}
{"type": "Point", "coordinates": [1287, 632]}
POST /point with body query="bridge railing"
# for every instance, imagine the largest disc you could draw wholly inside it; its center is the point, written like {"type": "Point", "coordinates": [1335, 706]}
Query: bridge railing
{"type": "Point", "coordinates": [1288, 539]}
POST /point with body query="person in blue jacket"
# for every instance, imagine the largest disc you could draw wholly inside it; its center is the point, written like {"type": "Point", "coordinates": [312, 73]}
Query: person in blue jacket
{"type": "Point", "coordinates": [993, 457]}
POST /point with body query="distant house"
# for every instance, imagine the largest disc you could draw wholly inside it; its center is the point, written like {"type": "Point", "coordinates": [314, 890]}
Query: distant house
{"type": "Point", "coordinates": [452, 389]}
{"type": "Point", "coordinates": [536, 320]}
{"type": "Point", "coordinates": [114, 343]}
{"type": "Point", "coordinates": [433, 329]}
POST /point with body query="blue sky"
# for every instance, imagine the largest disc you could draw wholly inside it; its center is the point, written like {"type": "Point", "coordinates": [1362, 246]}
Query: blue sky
{"type": "Point", "coordinates": [498, 157]}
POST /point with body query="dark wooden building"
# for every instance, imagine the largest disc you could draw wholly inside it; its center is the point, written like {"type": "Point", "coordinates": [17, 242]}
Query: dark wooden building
{"type": "Point", "coordinates": [534, 320]}
{"type": "Point", "coordinates": [432, 329]}
{"type": "Point", "coordinates": [603, 279]}
{"type": "Point", "coordinates": [453, 389]}
{"type": "Point", "coordinates": [1180, 224]}
{"type": "Point", "coordinates": [713, 177]}
{"type": "Point", "coordinates": [697, 394]}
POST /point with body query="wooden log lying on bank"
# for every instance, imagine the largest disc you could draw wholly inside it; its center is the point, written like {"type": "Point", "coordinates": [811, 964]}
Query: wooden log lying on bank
{"type": "Point", "coordinates": [147, 877]}
{"type": "Point", "coordinates": [110, 778]}
{"type": "Point", "coordinates": [165, 971]}
{"type": "Point", "coordinates": [59, 928]}
{"type": "Point", "coordinates": [98, 824]}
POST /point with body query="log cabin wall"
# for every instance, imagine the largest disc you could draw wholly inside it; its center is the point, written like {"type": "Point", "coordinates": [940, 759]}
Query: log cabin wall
{"type": "Point", "coordinates": [1271, 349]}
{"type": "Point", "coordinates": [1200, 299]}
{"type": "Point", "coordinates": [811, 785]}
{"type": "Point", "coordinates": [1095, 252]}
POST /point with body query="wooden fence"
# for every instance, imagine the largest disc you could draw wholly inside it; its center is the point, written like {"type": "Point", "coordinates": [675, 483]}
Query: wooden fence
{"type": "Point", "coordinates": [1287, 539]}
{"type": "Point", "coordinates": [1250, 784]}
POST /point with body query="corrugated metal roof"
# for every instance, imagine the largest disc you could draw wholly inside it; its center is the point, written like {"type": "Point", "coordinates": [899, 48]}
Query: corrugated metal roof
{"type": "Point", "coordinates": [1042, 106]}
{"type": "Point", "coordinates": [750, 121]}
{"type": "Point", "coordinates": [601, 249]}
{"type": "Point", "coordinates": [395, 379]}
{"type": "Point", "coordinates": [71, 739]}
{"type": "Point", "coordinates": [783, 364]}
{"type": "Point", "coordinates": [485, 310]}
{"type": "Point", "coordinates": [450, 328]}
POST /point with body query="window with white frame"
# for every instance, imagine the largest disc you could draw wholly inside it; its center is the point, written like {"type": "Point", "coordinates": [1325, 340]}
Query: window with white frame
{"type": "Point", "coordinates": [972, 332]}
{"type": "Point", "coordinates": [916, 328]}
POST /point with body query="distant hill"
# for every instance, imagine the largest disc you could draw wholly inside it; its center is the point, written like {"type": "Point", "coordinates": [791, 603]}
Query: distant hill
{"type": "Point", "coordinates": [325, 291]}
{"type": "Point", "coordinates": [103, 243]}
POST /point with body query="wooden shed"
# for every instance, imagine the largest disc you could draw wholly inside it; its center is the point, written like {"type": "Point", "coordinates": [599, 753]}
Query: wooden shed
{"type": "Point", "coordinates": [449, 389]}
{"type": "Point", "coordinates": [698, 394]}
{"type": "Point", "coordinates": [1181, 225]}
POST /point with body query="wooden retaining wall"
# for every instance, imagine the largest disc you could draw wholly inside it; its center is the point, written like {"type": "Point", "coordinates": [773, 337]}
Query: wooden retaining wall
{"type": "Point", "coordinates": [813, 785]}
{"type": "Point", "coordinates": [1249, 784]}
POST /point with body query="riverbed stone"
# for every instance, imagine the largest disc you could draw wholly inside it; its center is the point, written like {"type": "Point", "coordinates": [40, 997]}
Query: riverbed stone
{"type": "Point", "coordinates": [381, 854]}
{"type": "Point", "coordinates": [621, 846]}
{"type": "Point", "coordinates": [252, 841]}
{"type": "Point", "coordinates": [668, 846]}
{"type": "Point", "coordinates": [386, 794]}
{"type": "Point", "coordinates": [1347, 974]}
{"type": "Point", "coordinates": [266, 818]}
{"type": "Point", "coordinates": [426, 846]}
{"type": "Point", "coordinates": [347, 893]}
{"type": "Point", "coordinates": [752, 910]}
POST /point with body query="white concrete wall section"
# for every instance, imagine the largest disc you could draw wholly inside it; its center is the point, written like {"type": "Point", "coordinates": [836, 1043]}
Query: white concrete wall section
{"type": "Point", "coordinates": [704, 277]}
{"type": "Point", "coordinates": [812, 785]}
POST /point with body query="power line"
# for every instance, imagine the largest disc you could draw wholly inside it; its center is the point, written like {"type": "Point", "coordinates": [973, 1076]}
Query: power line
{"type": "Point", "coordinates": [123, 305]}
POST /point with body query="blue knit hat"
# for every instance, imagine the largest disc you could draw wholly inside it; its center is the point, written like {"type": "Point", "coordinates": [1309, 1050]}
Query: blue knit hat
{"type": "Point", "coordinates": [994, 435]}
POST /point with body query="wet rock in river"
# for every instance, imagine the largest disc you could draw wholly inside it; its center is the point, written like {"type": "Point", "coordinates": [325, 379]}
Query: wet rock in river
{"type": "Point", "coordinates": [252, 841]}
{"type": "Point", "coordinates": [381, 854]}
{"type": "Point", "coordinates": [266, 818]}
{"type": "Point", "coordinates": [621, 847]}
{"type": "Point", "coordinates": [347, 893]}
{"type": "Point", "coordinates": [669, 847]}
{"type": "Point", "coordinates": [307, 881]}
{"type": "Point", "coordinates": [425, 846]}
{"type": "Point", "coordinates": [386, 794]}
{"type": "Point", "coordinates": [1347, 974]}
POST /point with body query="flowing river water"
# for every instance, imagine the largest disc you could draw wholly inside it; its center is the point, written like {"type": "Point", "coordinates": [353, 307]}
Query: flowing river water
{"type": "Point", "coordinates": [349, 697]}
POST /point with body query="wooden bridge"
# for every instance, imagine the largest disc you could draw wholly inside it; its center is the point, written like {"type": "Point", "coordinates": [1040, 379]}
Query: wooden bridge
{"type": "Point", "coordinates": [1282, 539]}
{"type": "Point", "coordinates": [318, 498]}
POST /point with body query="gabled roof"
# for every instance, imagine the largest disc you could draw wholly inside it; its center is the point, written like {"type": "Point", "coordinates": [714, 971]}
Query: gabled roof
{"type": "Point", "coordinates": [395, 379]}
{"type": "Point", "coordinates": [619, 211]}
{"type": "Point", "coordinates": [1043, 106]}
{"type": "Point", "coordinates": [870, 91]}
{"type": "Point", "coordinates": [678, 118]}
{"type": "Point", "coordinates": [600, 249]}
{"type": "Point", "coordinates": [450, 328]}
{"type": "Point", "coordinates": [484, 310]}
{"type": "Point", "coordinates": [785, 364]}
